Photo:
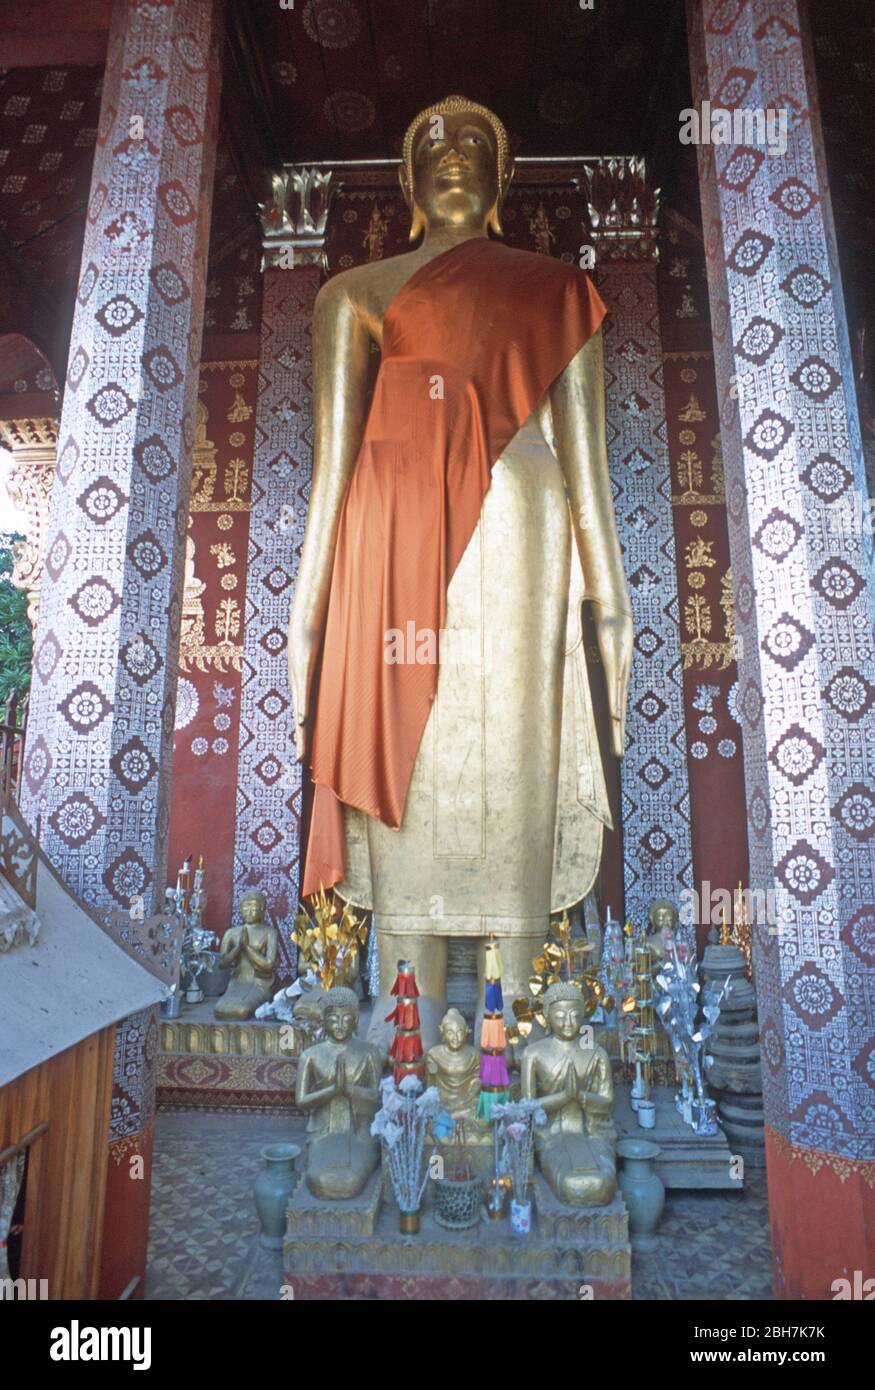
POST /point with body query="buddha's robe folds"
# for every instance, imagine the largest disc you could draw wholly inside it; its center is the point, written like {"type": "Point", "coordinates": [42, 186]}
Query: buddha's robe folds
{"type": "Point", "coordinates": [341, 1154]}
{"type": "Point", "coordinates": [577, 1147]}
{"type": "Point", "coordinates": [465, 796]}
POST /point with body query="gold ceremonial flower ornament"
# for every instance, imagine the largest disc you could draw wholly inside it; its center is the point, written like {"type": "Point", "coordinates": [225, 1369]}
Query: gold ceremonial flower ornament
{"type": "Point", "coordinates": [561, 959]}
{"type": "Point", "coordinates": [329, 941]}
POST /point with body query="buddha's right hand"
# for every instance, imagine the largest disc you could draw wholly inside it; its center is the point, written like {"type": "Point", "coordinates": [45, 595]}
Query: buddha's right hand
{"type": "Point", "coordinates": [340, 1076]}
{"type": "Point", "coordinates": [301, 651]}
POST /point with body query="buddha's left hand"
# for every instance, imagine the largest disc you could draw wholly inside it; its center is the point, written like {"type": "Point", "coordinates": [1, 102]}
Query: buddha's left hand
{"type": "Point", "coordinates": [615, 635]}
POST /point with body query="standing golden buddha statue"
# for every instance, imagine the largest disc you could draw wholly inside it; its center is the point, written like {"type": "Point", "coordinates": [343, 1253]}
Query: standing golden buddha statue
{"type": "Point", "coordinates": [456, 523]}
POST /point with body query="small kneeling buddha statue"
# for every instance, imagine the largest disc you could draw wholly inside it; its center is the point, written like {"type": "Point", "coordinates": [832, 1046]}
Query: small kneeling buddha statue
{"type": "Point", "coordinates": [453, 1066]}
{"type": "Point", "coordinates": [575, 1087]}
{"type": "Point", "coordinates": [250, 951]}
{"type": "Point", "coordinates": [338, 1084]}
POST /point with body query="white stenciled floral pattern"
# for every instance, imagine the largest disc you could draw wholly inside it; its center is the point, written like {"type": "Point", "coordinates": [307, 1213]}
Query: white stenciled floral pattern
{"type": "Point", "coordinates": [102, 704]}
{"type": "Point", "coordinates": [268, 821]}
{"type": "Point", "coordinates": [657, 845]}
{"type": "Point", "coordinates": [805, 608]}
{"type": "Point", "coordinates": [187, 702]}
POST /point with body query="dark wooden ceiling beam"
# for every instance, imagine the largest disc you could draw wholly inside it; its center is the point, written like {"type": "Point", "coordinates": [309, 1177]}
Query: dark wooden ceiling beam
{"type": "Point", "coordinates": [248, 121]}
{"type": "Point", "coordinates": [27, 309]}
{"type": "Point", "coordinates": [43, 33]}
{"type": "Point", "coordinates": [246, 78]}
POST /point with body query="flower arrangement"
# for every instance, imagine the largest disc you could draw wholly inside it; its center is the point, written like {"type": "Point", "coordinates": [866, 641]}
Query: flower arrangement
{"type": "Point", "coordinates": [518, 1119]}
{"type": "Point", "coordinates": [401, 1124]}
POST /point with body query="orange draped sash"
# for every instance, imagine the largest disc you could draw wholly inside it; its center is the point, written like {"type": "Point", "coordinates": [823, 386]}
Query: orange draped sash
{"type": "Point", "coordinates": [471, 343]}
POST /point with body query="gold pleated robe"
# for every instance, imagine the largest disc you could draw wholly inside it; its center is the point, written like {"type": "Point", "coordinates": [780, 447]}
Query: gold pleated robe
{"type": "Point", "coordinates": [507, 803]}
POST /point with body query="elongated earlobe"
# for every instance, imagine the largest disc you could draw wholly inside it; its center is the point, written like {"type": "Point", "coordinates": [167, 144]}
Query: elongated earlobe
{"type": "Point", "coordinates": [417, 223]}
{"type": "Point", "coordinates": [493, 221]}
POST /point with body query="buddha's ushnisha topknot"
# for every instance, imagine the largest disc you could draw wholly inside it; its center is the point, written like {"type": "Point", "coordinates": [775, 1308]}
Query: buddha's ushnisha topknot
{"type": "Point", "coordinates": [452, 106]}
{"type": "Point", "coordinates": [562, 992]}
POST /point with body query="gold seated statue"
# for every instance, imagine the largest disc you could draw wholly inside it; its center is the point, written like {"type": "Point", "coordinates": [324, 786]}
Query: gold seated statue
{"type": "Point", "coordinates": [662, 926]}
{"type": "Point", "coordinates": [250, 951]}
{"type": "Point", "coordinates": [573, 1084]}
{"type": "Point", "coordinates": [453, 1066]}
{"type": "Point", "coordinates": [338, 1085]}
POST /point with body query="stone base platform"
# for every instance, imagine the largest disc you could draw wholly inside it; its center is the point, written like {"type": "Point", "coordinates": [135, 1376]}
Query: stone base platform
{"type": "Point", "coordinates": [313, 1218]}
{"type": "Point", "coordinates": [347, 1250]}
{"type": "Point", "coordinates": [205, 1064]}
{"type": "Point", "coordinates": [687, 1160]}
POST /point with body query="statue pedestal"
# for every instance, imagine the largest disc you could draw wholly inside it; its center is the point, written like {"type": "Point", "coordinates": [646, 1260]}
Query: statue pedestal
{"type": "Point", "coordinates": [208, 1064]}
{"type": "Point", "coordinates": [572, 1252]}
{"type": "Point", "coordinates": [607, 1225]}
{"type": "Point", "coordinates": [686, 1160]}
{"type": "Point", "coordinates": [314, 1218]}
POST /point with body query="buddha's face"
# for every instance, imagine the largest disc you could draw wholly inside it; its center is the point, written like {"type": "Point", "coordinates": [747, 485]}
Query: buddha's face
{"type": "Point", "coordinates": [565, 1018]}
{"type": "Point", "coordinates": [251, 911]}
{"type": "Point", "coordinates": [340, 1021]}
{"type": "Point", "coordinates": [454, 1033]}
{"type": "Point", "coordinates": [662, 919]}
{"type": "Point", "coordinates": [455, 170]}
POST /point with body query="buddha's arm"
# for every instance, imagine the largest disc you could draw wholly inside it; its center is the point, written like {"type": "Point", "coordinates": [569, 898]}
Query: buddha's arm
{"type": "Point", "coordinates": [367, 1093]}
{"type": "Point", "coordinates": [340, 365]}
{"type": "Point", "coordinates": [577, 401]}
{"type": "Point", "coordinates": [602, 1094]}
{"type": "Point", "coordinates": [550, 1101]}
{"type": "Point", "coordinates": [305, 1099]}
{"type": "Point", "coordinates": [263, 962]}
{"type": "Point", "coordinates": [230, 948]}
{"type": "Point", "coordinates": [595, 1101]}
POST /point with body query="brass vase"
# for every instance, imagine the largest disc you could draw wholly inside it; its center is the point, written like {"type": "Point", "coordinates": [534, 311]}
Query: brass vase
{"type": "Point", "coordinates": [409, 1223]}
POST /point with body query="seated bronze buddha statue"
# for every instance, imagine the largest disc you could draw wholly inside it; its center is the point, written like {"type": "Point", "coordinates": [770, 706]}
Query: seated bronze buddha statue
{"type": "Point", "coordinates": [338, 1087]}
{"type": "Point", "coordinates": [574, 1085]}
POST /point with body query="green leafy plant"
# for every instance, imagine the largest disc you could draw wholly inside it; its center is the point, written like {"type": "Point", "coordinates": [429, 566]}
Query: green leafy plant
{"type": "Point", "coordinates": [16, 638]}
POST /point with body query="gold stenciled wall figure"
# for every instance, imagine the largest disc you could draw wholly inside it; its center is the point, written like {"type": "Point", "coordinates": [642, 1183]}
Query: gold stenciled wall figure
{"type": "Point", "coordinates": [375, 233]}
{"type": "Point", "coordinates": [542, 231]}
{"type": "Point", "coordinates": [225, 650]}
{"type": "Point", "coordinates": [699, 488]}
{"type": "Point", "coordinates": [203, 476]}
{"type": "Point", "coordinates": [700, 648]}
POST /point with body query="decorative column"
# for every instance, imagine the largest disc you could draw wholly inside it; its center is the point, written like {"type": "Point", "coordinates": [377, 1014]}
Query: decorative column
{"type": "Point", "coordinates": [804, 603]}
{"type": "Point", "coordinates": [268, 847]}
{"type": "Point", "coordinates": [33, 444]}
{"type": "Point", "coordinates": [655, 794]}
{"type": "Point", "coordinates": [99, 745]}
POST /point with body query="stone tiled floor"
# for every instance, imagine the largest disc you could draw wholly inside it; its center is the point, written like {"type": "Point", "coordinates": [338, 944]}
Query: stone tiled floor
{"type": "Point", "coordinates": [204, 1244]}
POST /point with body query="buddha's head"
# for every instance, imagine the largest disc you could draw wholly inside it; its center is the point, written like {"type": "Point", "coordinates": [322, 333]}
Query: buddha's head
{"type": "Point", "coordinates": [253, 906]}
{"type": "Point", "coordinates": [456, 167]}
{"type": "Point", "coordinates": [340, 1013]}
{"type": "Point", "coordinates": [565, 1010]}
{"type": "Point", "coordinates": [454, 1030]}
{"type": "Point", "coordinates": [663, 916]}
